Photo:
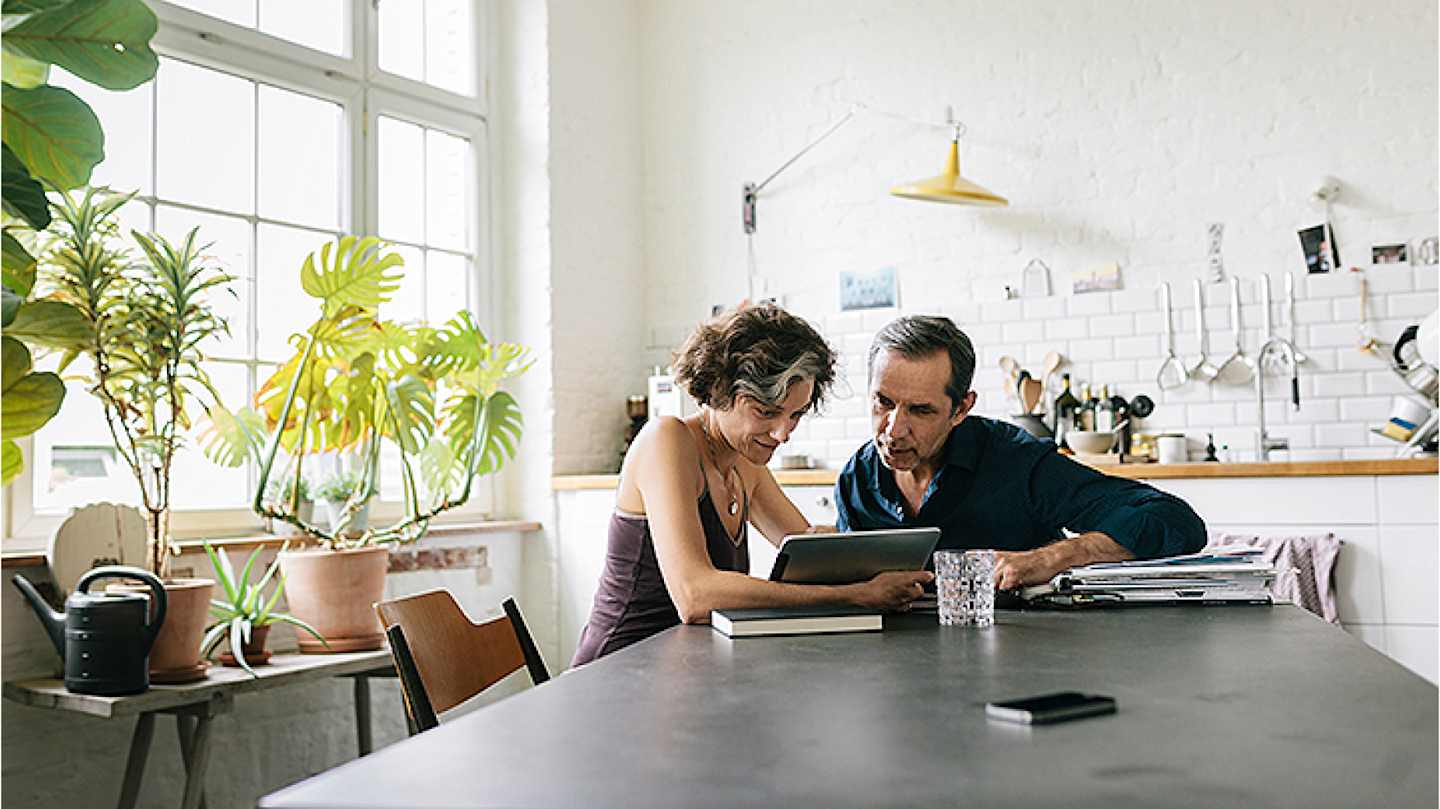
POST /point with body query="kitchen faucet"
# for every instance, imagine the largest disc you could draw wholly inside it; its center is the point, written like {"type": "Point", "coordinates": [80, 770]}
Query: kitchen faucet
{"type": "Point", "coordinates": [1288, 351]}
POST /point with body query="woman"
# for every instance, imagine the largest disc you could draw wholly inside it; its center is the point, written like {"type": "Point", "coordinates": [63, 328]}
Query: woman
{"type": "Point", "coordinates": [688, 488]}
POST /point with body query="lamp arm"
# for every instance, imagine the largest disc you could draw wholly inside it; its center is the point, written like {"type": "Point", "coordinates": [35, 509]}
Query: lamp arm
{"type": "Point", "coordinates": [751, 190]}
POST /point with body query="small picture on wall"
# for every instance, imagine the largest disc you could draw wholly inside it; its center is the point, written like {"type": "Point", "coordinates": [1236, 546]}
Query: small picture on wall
{"type": "Point", "coordinates": [1321, 253]}
{"type": "Point", "coordinates": [1390, 254]}
{"type": "Point", "coordinates": [868, 290]}
{"type": "Point", "coordinates": [1104, 278]}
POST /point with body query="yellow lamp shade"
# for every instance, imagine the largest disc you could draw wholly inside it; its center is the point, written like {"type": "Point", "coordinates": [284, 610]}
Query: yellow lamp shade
{"type": "Point", "coordinates": [949, 186]}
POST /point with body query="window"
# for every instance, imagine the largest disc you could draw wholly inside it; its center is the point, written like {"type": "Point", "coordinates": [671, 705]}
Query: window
{"type": "Point", "coordinates": [278, 127]}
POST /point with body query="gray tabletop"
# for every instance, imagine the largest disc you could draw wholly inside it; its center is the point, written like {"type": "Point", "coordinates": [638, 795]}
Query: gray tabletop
{"type": "Point", "coordinates": [1227, 706]}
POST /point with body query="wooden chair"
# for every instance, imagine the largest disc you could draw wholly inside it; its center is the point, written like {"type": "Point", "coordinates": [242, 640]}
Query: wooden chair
{"type": "Point", "coordinates": [443, 658]}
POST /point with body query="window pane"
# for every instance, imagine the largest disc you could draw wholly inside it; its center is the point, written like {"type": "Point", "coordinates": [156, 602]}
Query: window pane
{"type": "Point", "coordinates": [283, 308]}
{"type": "Point", "coordinates": [125, 119]}
{"type": "Point", "coordinates": [299, 158]}
{"type": "Point", "coordinates": [448, 60]}
{"type": "Point", "coordinates": [402, 202]}
{"type": "Point", "coordinates": [408, 303]}
{"type": "Point", "coordinates": [402, 42]}
{"type": "Point", "coordinates": [444, 285]}
{"type": "Point", "coordinates": [75, 458]}
{"type": "Point", "coordinates": [318, 24]}
{"type": "Point", "coordinates": [446, 173]}
{"type": "Point", "coordinates": [240, 12]}
{"type": "Point", "coordinates": [229, 240]}
{"type": "Point", "coordinates": [195, 482]}
{"type": "Point", "coordinates": [206, 148]}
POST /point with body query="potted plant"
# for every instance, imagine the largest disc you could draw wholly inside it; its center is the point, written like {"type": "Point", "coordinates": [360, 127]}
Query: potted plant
{"type": "Point", "coordinates": [245, 616]}
{"type": "Point", "coordinates": [355, 382]}
{"type": "Point", "coordinates": [145, 317]}
{"type": "Point", "coordinates": [288, 490]}
{"type": "Point", "coordinates": [347, 503]}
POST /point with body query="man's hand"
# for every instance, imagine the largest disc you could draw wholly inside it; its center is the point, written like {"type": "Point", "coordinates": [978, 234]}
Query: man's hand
{"type": "Point", "coordinates": [1020, 568]}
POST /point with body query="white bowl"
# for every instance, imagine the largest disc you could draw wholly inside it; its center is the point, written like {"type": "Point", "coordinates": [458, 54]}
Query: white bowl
{"type": "Point", "coordinates": [1089, 442]}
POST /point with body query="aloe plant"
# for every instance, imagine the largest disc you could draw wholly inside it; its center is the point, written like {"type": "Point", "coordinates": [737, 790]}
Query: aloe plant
{"type": "Point", "coordinates": [245, 606]}
{"type": "Point", "coordinates": [357, 380]}
{"type": "Point", "coordinates": [53, 140]}
{"type": "Point", "coordinates": [144, 318]}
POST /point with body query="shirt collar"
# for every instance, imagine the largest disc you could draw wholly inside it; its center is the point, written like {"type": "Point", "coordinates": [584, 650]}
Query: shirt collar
{"type": "Point", "coordinates": [962, 449]}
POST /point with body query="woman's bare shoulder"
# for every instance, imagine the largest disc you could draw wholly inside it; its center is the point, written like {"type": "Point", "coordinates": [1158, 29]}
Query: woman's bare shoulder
{"type": "Point", "coordinates": [665, 440]}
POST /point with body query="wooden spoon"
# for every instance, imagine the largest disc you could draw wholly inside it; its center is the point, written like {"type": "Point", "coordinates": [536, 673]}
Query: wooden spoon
{"type": "Point", "coordinates": [1030, 391]}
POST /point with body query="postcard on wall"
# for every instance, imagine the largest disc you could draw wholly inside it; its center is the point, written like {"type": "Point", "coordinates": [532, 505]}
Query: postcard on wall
{"type": "Point", "coordinates": [1390, 254]}
{"type": "Point", "coordinates": [1321, 252]}
{"type": "Point", "coordinates": [1104, 278]}
{"type": "Point", "coordinates": [868, 290]}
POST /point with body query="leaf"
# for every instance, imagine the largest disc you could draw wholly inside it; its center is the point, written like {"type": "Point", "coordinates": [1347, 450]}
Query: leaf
{"type": "Point", "coordinates": [29, 400]}
{"type": "Point", "coordinates": [9, 306]}
{"type": "Point", "coordinates": [222, 572]}
{"type": "Point", "coordinates": [412, 405]}
{"type": "Point", "coordinates": [239, 633]}
{"type": "Point", "coordinates": [501, 425]}
{"type": "Point", "coordinates": [213, 637]}
{"type": "Point", "coordinates": [21, 194]}
{"type": "Point", "coordinates": [21, 71]}
{"type": "Point", "coordinates": [293, 621]}
{"type": "Point", "coordinates": [18, 266]}
{"type": "Point", "coordinates": [105, 42]}
{"type": "Point", "coordinates": [229, 439]}
{"type": "Point", "coordinates": [53, 324]}
{"type": "Point", "coordinates": [12, 462]}
{"type": "Point", "coordinates": [359, 273]}
{"type": "Point", "coordinates": [55, 134]}
{"type": "Point", "coordinates": [31, 6]}
{"type": "Point", "coordinates": [438, 467]}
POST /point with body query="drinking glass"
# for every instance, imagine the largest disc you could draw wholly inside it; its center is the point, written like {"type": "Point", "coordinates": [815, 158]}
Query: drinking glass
{"type": "Point", "coordinates": [965, 587]}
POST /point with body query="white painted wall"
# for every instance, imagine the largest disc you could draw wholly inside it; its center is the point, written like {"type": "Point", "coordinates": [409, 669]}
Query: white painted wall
{"type": "Point", "coordinates": [1118, 130]}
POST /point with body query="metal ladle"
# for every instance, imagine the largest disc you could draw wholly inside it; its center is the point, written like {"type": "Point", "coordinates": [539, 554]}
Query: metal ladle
{"type": "Point", "coordinates": [1274, 362]}
{"type": "Point", "coordinates": [1204, 370]}
{"type": "Point", "coordinates": [1237, 369]}
{"type": "Point", "coordinates": [1300, 357]}
{"type": "Point", "coordinates": [1172, 373]}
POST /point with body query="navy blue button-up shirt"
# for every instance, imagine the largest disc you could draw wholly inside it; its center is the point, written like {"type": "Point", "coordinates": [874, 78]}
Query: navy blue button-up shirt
{"type": "Point", "coordinates": [1001, 488]}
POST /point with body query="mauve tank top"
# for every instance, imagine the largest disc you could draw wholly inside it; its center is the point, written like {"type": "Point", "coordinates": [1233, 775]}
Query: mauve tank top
{"type": "Point", "coordinates": [632, 603]}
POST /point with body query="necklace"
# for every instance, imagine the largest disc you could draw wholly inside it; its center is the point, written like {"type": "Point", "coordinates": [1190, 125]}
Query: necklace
{"type": "Point", "coordinates": [734, 507]}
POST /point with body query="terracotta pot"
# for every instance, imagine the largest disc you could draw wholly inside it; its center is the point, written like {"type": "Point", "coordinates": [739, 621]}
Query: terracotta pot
{"type": "Point", "coordinates": [335, 592]}
{"type": "Point", "coordinates": [175, 657]}
{"type": "Point", "coordinates": [254, 649]}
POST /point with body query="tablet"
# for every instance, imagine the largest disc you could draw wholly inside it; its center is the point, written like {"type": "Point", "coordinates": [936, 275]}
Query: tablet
{"type": "Point", "coordinates": [852, 557]}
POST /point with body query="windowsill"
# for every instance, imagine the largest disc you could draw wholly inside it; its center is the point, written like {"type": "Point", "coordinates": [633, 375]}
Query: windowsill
{"type": "Point", "coordinates": [22, 559]}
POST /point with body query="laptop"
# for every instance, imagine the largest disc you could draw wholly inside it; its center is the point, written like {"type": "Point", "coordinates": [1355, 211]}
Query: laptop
{"type": "Point", "coordinates": [851, 557]}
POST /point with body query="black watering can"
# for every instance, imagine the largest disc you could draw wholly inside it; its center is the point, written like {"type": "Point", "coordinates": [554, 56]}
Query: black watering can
{"type": "Point", "coordinates": [103, 638]}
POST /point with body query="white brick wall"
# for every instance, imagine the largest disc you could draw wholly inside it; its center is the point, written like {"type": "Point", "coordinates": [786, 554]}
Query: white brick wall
{"type": "Point", "coordinates": [1117, 134]}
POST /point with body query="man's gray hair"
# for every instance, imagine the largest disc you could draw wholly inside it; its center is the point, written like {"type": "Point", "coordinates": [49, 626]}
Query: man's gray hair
{"type": "Point", "coordinates": [917, 337]}
{"type": "Point", "coordinates": [771, 389]}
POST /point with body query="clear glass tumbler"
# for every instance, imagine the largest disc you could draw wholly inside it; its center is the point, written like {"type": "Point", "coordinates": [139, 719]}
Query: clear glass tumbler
{"type": "Point", "coordinates": [965, 587]}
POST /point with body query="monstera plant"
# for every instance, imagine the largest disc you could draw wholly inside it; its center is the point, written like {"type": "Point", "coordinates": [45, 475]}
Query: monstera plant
{"type": "Point", "coordinates": [357, 381]}
{"type": "Point", "coordinates": [52, 141]}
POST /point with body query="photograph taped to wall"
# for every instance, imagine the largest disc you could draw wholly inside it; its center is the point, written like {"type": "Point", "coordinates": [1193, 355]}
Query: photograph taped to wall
{"type": "Point", "coordinates": [872, 290]}
{"type": "Point", "coordinates": [1389, 254]}
{"type": "Point", "coordinates": [1104, 278]}
{"type": "Point", "coordinates": [1321, 254]}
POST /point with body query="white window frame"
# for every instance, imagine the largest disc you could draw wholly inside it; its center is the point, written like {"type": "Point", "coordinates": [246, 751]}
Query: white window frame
{"type": "Point", "coordinates": [364, 92]}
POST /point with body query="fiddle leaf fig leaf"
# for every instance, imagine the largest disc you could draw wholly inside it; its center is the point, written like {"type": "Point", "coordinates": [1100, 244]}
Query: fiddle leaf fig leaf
{"type": "Point", "coordinates": [21, 195]}
{"type": "Point", "coordinates": [12, 462]}
{"type": "Point", "coordinates": [53, 324]}
{"type": "Point", "coordinates": [105, 42]}
{"type": "Point", "coordinates": [21, 71]}
{"type": "Point", "coordinates": [28, 400]}
{"type": "Point", "coordinates": [56, 135]}
{"type": "Point", "coordinates": [18, 266]}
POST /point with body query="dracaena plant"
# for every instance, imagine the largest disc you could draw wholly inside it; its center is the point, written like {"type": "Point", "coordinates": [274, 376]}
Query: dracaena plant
{"type": "Point", "coordinates": [357, 380]}
{"type": "Point", "coordinates": [145, 317]}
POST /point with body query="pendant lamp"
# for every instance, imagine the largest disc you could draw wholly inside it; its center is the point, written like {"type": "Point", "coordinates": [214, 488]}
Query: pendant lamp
{"type": "Point", "coordinates": [949, 186]}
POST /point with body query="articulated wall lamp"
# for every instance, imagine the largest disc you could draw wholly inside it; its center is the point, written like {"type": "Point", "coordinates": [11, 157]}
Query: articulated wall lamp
{"type": "Point", "coordinates": [948, 186]}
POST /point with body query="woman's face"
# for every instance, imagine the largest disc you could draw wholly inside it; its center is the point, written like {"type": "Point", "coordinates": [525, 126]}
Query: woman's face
{"type": "Point", "coordinates": [755, 429]}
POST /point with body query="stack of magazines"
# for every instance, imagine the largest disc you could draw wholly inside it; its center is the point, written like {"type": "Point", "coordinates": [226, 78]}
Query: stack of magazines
{"type": "Point", "coordinates": [1228, 575]}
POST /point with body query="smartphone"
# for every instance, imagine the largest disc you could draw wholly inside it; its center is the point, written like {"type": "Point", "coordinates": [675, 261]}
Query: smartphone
{"type": "Point", "coordinates": [1048, 708]}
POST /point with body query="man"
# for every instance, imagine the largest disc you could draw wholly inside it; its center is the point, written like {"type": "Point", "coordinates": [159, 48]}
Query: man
{"type": "Point", "coordinates": [985, 483]}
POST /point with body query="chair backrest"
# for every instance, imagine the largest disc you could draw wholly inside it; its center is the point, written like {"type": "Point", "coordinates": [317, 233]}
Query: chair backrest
{"type": "Point", "coordinates": [444, 658]}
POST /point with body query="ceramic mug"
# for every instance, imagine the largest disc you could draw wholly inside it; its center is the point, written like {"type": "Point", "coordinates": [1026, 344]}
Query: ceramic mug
{"type": "Point", "coordinates": [1172, 449]}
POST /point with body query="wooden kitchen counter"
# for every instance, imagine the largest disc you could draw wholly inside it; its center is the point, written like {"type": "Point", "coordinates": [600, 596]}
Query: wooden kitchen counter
{"type": "Point", "coordinates": [1154, 471]}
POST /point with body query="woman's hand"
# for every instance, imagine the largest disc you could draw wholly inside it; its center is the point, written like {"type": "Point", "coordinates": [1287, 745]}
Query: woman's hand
{"type": "Point", "coordinates": [892, 590]}
{"type": "Point", "coordinates": [820, 529]}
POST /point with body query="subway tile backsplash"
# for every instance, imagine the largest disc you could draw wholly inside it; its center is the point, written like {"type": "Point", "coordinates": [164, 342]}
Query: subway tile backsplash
{"type": "Point", "coordinates": [1115, 338]}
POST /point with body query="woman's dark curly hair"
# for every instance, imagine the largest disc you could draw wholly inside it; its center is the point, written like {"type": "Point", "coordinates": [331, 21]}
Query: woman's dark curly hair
{"type": "Point", "coordinates": [758, 351]}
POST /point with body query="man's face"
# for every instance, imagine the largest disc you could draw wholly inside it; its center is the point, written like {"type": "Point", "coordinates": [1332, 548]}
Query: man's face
{"type": "Point", "coordinates": [909, 412]}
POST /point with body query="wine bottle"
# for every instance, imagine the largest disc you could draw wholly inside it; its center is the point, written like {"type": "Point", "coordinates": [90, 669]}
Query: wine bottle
{"type": "Point", "coordinates": [1105, 411]}
{"type": "Point", "coordinates": [1085, 416]}
{"type": "Point", "coordinates": [1065, 406]}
